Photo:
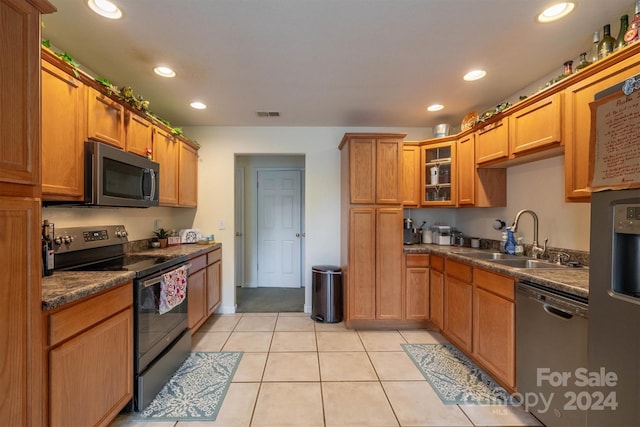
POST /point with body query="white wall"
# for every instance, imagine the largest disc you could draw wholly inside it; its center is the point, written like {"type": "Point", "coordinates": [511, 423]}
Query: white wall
{"type": "Point", "coordinates": [319, 145]}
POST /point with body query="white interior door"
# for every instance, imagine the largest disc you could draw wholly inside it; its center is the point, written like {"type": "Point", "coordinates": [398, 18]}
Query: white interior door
{"type": "Point", "coordinates": [279, 229]}
{"type": "Point", "coordinates": [239, 226]}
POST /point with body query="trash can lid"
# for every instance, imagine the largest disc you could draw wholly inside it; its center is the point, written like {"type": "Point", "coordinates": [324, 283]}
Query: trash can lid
{"type": "Point", "coordinates": [325, 268]}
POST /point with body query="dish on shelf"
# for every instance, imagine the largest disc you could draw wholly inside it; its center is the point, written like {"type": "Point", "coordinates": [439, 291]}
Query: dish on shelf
{"type": "Point", "coordinates": [469, 121]}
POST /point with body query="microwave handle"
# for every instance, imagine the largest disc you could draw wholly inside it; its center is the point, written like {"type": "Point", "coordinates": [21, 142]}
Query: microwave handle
{"type": "Point", "coordinates": [152, 176]}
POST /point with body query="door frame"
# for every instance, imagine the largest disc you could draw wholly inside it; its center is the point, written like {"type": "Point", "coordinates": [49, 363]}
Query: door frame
{"type": "Point", "coordinates": [239, 227]}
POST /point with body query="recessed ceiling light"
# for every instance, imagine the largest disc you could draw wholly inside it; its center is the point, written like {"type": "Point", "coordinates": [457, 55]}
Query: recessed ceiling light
{"type": "Point", "coordinates": [164, 71]}
{"type": "Point", "coordinates": [105, 8]}
{"type": "Point", "coordinates": [435, 107]}
{"type": "Point", "coordinates": [555, 12]}
{"type": "Point", "coordinates": [474, 75]}
{"type": "Point", "coordinates": [198, 105]}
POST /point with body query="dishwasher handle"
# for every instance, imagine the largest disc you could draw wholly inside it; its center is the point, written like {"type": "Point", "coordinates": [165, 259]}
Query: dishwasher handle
{"type": "Point", "coordinates": [556, 312]}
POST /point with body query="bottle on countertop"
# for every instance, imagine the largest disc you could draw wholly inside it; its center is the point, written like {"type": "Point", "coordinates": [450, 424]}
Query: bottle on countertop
{"type": "Point", "coordinates": [605, 47]}
{"type": "Point", "coordinates": [634, 27]}
{"type": "Point", "coordinates": [519, 247]}
{"type": "Point", "coordinates": [594, 56]}
{"type": "Point", "coordinates": [624, 26]}
{"type": "Point", "coordinates": [583, 62]}
{"type": "Point", "coordinates": [510, 246]}
{"type": "Point", "coordinates": [503, 242]}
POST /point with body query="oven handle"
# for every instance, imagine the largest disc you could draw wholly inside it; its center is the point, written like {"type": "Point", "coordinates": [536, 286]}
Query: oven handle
{"type": "Point", "coordinates": [158, 279]}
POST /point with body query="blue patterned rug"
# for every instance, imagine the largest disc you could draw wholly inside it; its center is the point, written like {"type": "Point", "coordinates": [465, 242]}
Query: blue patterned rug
{"type": "Point", "coordinates": [196, 390]}
{"type": "Point", "coordinates": [455, 378]}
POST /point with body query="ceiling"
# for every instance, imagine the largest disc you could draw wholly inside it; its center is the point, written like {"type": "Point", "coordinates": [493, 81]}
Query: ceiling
{"type": "Point", "coordinates": [325, 62]}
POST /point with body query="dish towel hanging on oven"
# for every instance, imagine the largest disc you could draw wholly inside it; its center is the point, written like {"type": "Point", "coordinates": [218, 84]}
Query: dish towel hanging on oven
{"type": "Point", "coordinates": [173, 289]}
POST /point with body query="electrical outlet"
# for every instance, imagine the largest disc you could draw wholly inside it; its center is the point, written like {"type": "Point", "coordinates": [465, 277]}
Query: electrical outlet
{"type": "Point", "coordinates": [221, 224]}
{"type": "Point", "coordinates": [158, 224]}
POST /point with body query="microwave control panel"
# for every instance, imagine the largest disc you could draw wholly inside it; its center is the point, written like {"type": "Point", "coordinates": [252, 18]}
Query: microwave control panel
{"type": "Point", "coordinates": [626, 219]}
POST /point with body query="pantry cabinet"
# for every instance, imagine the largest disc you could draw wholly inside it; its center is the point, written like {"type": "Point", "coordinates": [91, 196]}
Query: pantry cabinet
{"type": "Point", "coordinates": [411, 175]}
{"type": "Point", "coordinates": [535, 126]}
{"type": "Point", "coordinates": [436, 290]}
{"type": "Point", "coordinates": [63, 133]}
{"type": "Point", "coordinates": [458, 301]}
{"type": "Point", "coordinates": [577, 116]}
{"type": "Point", "coordinates": [166, 153]}
{"type": "Point", "coordinates": [494, 324]}
{"type": "Point", "coordinates": [138, 134]}
{"type": "Point", "coordinates": [105, 119]}
{"type": "Point", "coordinates": [91, 349]}
{"type": "Point", "coordinates": [188, 175]}
{"type": "Point", "coordinates": [417, 286]}
{"type": "Point", "coordinates": [439, 176]}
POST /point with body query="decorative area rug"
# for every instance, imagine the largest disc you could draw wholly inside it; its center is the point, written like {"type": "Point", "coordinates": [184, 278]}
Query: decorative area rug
{"type": "Point", "coordinates": [455, 378]}
{"type": "Point", "coordinates": [196, 390]}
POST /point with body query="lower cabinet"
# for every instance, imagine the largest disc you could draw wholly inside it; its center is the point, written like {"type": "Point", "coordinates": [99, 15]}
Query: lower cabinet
{"type": "Point", "coordinates": [204, 287]}
{"type": "Point", "coordinates": [458, 292]}
{"type": "Point", "coordinates": [416, 286]}
{"type": "Point", "coordinates": [436, 291]}
{"type": "Point", "coordinates": [91, 359]}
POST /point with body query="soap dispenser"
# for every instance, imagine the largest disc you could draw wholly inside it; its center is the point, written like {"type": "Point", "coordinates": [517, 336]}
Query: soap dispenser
{"type": "Point", "coordinates": [510, 245]}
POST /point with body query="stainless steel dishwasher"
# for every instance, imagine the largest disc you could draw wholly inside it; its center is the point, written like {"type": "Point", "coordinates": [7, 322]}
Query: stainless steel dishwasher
{"type": "Point", "coordinates": [551, 345]}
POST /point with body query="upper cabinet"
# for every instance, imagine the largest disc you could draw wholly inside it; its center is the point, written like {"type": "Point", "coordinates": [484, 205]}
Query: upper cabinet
{"type": "Point", "coordinates": [439, 172]}
{"type": "Point", "coordinates": [188, 175]}
{"type": "Point", "coordinates": [105, 118]}
{"type": "Point", "coordinates": [165, 152]}
{"type": "Point", "coordinates": [63, 134]}
{"type": "Point", "coordinates": [374, 167]}
{"type": "Point", "coordinates": [138, 134]}
{"type": "Point", "coordinates": [466, 170]}
{"type": "Point", "coordinates": [535, 126]}
{"type": "Point", "coordinates": [493, 142]}
{"type": "Point", "coordinates": [411, 175]}
{"type": "Point", "coordinates": [577, 116]}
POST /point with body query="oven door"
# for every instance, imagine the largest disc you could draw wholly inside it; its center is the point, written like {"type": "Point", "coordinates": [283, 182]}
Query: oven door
{"type": "Point", "coordinates": [154, 331]}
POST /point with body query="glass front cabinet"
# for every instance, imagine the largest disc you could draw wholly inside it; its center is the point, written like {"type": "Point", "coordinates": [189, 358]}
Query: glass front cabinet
{"type": "Point", "coordinates": [439, 173]}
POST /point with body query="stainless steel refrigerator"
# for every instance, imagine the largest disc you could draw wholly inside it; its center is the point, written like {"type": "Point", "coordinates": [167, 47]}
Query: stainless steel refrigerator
{"type": "Point", "coordinates": [612, 396]}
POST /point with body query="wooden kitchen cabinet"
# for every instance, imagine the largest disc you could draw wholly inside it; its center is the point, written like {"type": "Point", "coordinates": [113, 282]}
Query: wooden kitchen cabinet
{"type": "Point", "coordinates": [441, 156]}
{"type": "Point", "coordinates": [466, 170]}
{"type": "Point", "coordinates": [416, 286]}
{"type": "Point", "coordinates": [458, 301]}
{"type": "Point", "coordinates": [63, 133]}
{"type": "Point", "coordinates": [493, 142]}
{"type": "Point", "coordinates": [22, 364]}
{"type": "Point", "coordinates": [138, 134]}
{"type": "Point", "coordinates": [411, 175]}
{"type": "Point", "coordinates": [374, 165]}
{"type": "Point", "coordinates": [166, 153]}
{"type": "Point", "coordinates": [577, 116]}
{"type": "Point", "coordinates": [535, 126]}
{"type": "Point", "coordinates": [188, 175]}
{"type": "Point", "coordinates": [204, 287]}
{"type": "Point", "coordinates": [494, 325]}
{"type": "Point", "coordinates": [90, 359]}
{"type": "Point", "coordinates": [105, 119]}
{"type": "Point", "coordinates": [214, 279]}
{"type": "Point", "coordinates": [361, 271]}
{"type": "Point", "coordinates": [388, 285]}
{"type": "Point", "coordinates": [436, 290]}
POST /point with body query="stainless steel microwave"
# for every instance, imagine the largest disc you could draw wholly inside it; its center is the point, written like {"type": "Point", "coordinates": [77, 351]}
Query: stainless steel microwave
{"type": "Point", "coordinates": [114, 177]}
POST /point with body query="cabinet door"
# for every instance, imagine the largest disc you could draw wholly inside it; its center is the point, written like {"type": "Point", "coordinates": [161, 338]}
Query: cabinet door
{"type": "Point", "coordinates": [138, 133]}
{"type": "Point", "coordinates": [388, 285]}
{"type": "Point", "coordinates": [188, 176]}
{"type": "Point", "coordinates": [20, 310]}
{"type": "Point", "coordinates": [362, 171]}
{"type": "Point", "coordinates": [439, 179]}
{"type": "Point", "coordinates": [417, 293]}
{"type": "Point", "coordinates": [197, 299]}
{"type": "Point", "coordinates": [493, 142]}
{"type": "Point", "coordinates": [494, 334]}
{"type": "Point", "coordinates": [361, 288]}
{"type": "Point", "coordinates": [63, 135]}
{"type": "Point", "coordinates": [466, 170]}
{"type": "Point", "coordinates": [91, 375]}
{"type": "Point", "coordinates": [457, 311]}
{"type": "Point", "coordinates": [411, 176]}
{"type": "Point", "coordinates": [536, 126]}
{"type": "Point", "coordinates": [388, 171]}
{"type": "Point", "coordinates": [165, 152]}
{"type": "Point", "coordinates": [436, 292]}
{"type": "Point", "coordinates": [577, 124]}
{"type": "Point", "coordinates": [105, 119]}
{"type": "Point", "coordinates": [214, 279]}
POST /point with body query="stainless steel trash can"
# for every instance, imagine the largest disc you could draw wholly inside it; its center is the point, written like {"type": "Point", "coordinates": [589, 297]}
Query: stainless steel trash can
{"type": "Point", "coordinates": [326, 298]}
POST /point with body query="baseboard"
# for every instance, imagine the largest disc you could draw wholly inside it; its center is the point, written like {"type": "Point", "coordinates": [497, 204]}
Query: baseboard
{"type": "Point", "coordinates": [226, 309]}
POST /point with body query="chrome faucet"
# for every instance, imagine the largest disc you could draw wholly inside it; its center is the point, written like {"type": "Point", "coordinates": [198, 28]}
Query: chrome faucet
{"type": "Point", "coordinates": [536, 250]}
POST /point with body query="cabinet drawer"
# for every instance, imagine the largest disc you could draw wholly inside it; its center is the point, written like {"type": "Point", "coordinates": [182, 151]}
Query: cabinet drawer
{"type": "Point", "coordinates": [459, 270]}
{"type": "Point", "coordinates": [499, 285]}
{"type": "Point", "coordinates": [417, 260]}
{"type": "Point", "coordinates": [214, 256]}
{"type": "Point", "coordinates": [198, 263]}
{"type": "Point", "coordinates": [437, 263]}
{"type": "Point", "coordinates": [70, 321]}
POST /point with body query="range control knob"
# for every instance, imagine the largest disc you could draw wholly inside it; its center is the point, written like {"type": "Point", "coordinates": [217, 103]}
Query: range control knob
{"type": "Point", "coordinates": [58, 240]}
{"type": "Point", "coordinates": [67, 239]}
{"type": "Point", "coordinates": [121, 233]}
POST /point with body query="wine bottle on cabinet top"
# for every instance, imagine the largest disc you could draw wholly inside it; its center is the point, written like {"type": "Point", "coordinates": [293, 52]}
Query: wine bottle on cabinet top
{"type": "Point", "coordinates": [624, 25]}
{"type": "Point", "coordinates": [594, 47]}
{"type": "Point", "coordinates": [605, 47]}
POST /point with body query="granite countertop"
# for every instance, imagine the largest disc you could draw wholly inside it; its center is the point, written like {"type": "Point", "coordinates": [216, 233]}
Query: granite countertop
{"type": "Point", "coordinates": [574, 281]}
{"type": "Point", "coordinates": [64, 287]}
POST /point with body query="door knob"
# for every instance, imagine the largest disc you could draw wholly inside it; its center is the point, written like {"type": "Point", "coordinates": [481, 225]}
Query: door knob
{"type": "Point", "coordinates": [297, 234]}
{"type": "Point", "coordinates": [238, 234]}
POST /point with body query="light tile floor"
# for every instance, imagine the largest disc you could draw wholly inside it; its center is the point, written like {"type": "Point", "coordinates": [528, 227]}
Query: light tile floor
{"type": "Point", "coordinates": [296, 372]}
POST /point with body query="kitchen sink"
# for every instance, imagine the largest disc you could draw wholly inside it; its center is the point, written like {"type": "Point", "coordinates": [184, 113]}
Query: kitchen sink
{"type": "Point", "coordinates": [527, 263]}
{"type": "Point", "coordinates": [487, 255]}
